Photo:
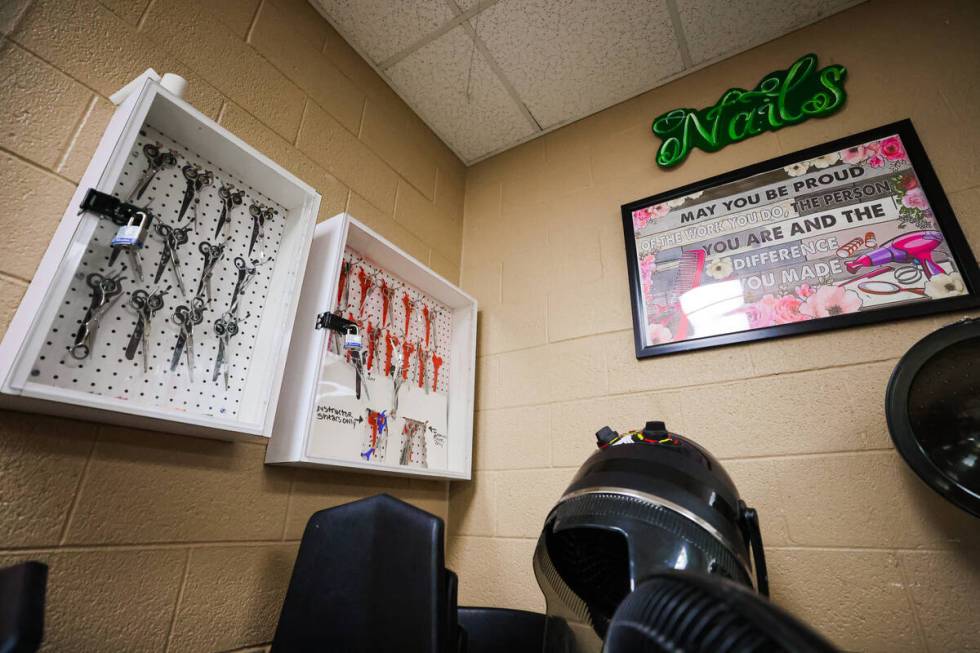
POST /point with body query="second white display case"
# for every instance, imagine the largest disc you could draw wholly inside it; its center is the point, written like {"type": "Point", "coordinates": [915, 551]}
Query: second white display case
{"type": "Point", "coordinates": [413, 412]}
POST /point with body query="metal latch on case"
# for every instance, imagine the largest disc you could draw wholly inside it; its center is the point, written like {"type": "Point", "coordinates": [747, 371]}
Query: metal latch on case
{"type": "Point", "coordinates": [334, 322]}
{"type": "Point", "coordinates": [108, 206]}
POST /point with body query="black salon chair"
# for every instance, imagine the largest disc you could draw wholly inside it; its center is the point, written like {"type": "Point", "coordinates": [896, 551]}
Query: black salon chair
{"type": "Point", "coordinates": [22, 590]}
{"type": "Point", "coordinates": [370, 576]}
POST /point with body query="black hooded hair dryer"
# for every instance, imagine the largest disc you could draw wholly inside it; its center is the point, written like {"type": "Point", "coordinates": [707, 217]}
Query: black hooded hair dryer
{"type": "Point", "coordinates": [648, 501]}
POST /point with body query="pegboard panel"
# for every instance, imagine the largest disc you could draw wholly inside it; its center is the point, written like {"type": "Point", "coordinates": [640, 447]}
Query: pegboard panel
{"type": "Point", "coordinates": [106, 371]}
{"type": "Point", "coordinates": [368, 308]}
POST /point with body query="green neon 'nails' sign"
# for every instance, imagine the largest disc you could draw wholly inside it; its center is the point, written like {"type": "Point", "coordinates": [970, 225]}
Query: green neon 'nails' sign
{"type": "Point", "coordinates": [783, 97]}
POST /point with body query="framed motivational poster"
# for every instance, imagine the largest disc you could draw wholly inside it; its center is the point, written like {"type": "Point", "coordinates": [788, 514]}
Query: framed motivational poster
{"type": "Point", "coordinates": [846, 233]}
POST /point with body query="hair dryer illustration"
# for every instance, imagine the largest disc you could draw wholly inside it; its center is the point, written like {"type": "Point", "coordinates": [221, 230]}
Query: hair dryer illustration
{"type": "Point", "coordinates": [917, 245]}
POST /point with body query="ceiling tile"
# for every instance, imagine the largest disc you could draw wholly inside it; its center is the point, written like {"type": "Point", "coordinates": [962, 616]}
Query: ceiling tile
{"type": "Point", "coordinates": [715, 28]}
{"type": "Point", "coordinates": [433, 81]}
{"type": "Point", "coordinates": [382, 28]}
{"type": "Point", "coordinates": [570, 58]}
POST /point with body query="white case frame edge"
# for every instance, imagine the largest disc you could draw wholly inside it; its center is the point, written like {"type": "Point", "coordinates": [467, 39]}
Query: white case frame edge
{"type": "Point", "coordinates": [299, 389]}
{"type": "Point", "coordinates": [129, 116]}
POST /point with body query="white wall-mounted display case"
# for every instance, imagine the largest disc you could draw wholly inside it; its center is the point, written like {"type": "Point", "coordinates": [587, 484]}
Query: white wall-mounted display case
{"type": "Point", "coordinates": [56, 359]}
{"type": "Point", "coordinates": [413, 414]}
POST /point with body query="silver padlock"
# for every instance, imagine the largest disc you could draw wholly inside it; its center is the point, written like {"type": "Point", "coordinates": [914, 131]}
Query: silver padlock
{"type": "Point", "coordinates": [134, 232]}
{"type": "Point", "coordinates": [352, 339]}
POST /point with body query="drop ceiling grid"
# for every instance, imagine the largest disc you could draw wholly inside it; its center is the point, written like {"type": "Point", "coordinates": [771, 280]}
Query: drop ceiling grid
{"type": "Point", "coordinates": [433, 81]}
{"type": "Point", "coordinates": [538, 65]}
{"type": "Point", "coordinates": [570, 62]}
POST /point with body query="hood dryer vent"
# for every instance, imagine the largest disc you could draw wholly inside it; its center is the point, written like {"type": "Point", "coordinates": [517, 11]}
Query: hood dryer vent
{"type": "Point", "coordinates": [648, 501]}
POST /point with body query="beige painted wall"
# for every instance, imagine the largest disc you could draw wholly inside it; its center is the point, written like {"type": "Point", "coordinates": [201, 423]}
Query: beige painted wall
{"type": "Point", "coordinates": [857, 545]}
{"type": "Point", "coordinates": [158, 542]}
{"type": "Point", "coordinates": [162, 542]}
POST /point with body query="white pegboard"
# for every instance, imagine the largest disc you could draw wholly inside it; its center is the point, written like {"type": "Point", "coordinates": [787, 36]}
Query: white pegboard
{"type": "Point", "coordinates": [440, 317]}
{"type": "Point", "coordinates": [106, 372]}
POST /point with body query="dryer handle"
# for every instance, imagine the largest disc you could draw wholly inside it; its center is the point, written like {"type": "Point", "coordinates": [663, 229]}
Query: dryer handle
{"type": "Point", "coordinates": [750, 519]}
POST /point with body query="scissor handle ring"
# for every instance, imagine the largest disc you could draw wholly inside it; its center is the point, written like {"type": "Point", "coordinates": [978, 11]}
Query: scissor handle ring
{"type": "Point", "coordinates": [75, 348]}
{"type": "Point", "coordinates": [155, 302]}
{"type": "Point", "coordinates": [139, 298]}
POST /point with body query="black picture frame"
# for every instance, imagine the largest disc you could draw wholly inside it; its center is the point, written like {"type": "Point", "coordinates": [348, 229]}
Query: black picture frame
{"type": "Point", "coordinates": [959, 250]}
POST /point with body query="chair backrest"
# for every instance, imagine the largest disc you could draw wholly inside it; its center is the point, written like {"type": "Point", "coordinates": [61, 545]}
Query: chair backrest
{"type": "Point", "coordinates": [370, 576]}
{"type": "Point", "coordinates": [22, 590]}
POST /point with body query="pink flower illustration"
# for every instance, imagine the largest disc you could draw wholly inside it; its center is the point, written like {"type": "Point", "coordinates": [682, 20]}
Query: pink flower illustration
{"type": "Point", "coordinates": [648, 265]}
{"type": "Point", "coordinates": [804, 290]}
{"type": "Point", "coordinates": [892, 148]}
{"type": "Point", "coordinates": [787, 309]}
{"type": "Point", "coordinates": [762, 313]}
{"type": "Point", "coordinates": [910, 182]}
{"type": "Point", "coordinates": [829, 301]}
{"type": "Point", "coordinates": [772, 310]}
{"type": "Point", "coordinates": [658, 333]}
{"type": "Point", "coordinates": [915, 199]}
{"type": "Point", "coordinates": [876, 161]}
{"type": "Point", "coordinates": [642, 216]}
{"type": "Point", "coordinates": [854, 154]}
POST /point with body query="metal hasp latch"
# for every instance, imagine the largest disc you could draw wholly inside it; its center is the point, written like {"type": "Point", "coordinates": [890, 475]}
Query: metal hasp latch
{"type": "Point", "coordinates": [334, 323]}
{"type": "Point", "coordinates": [111, 207]}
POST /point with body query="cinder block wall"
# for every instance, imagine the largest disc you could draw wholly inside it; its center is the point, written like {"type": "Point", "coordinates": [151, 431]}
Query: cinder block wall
{"type": "Point", "coordinates": [158, 542]}
{"type": "Point", "coordinates": [857, 545]}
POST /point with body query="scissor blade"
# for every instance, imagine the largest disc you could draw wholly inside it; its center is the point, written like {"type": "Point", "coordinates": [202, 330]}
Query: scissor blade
{"type": "Point", "coordinates": [255, 234]}
{"type": "Point", "coordinates": [146, 350]}
{"type": "Point", "coordinates": [164, 257]}
{"type": "Point", "coordinates": [189, 349]}
{"type": "Point", "coordinates": [134, 259]}
{"type": "Point", "coordinates": [188, 195]}
{"type": "Point", "coordinates": [221, 219]}
{"type": "Point", "coordinates": [180, 280]}
{"type": "Point", "coordinates": [146, 184]}
{"type": "Point", "coordinates": [134, 341]}
{"type": "Point", "coordinates": [178, 350]}
{"type": "Point", "coordinates": [218, 361]}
